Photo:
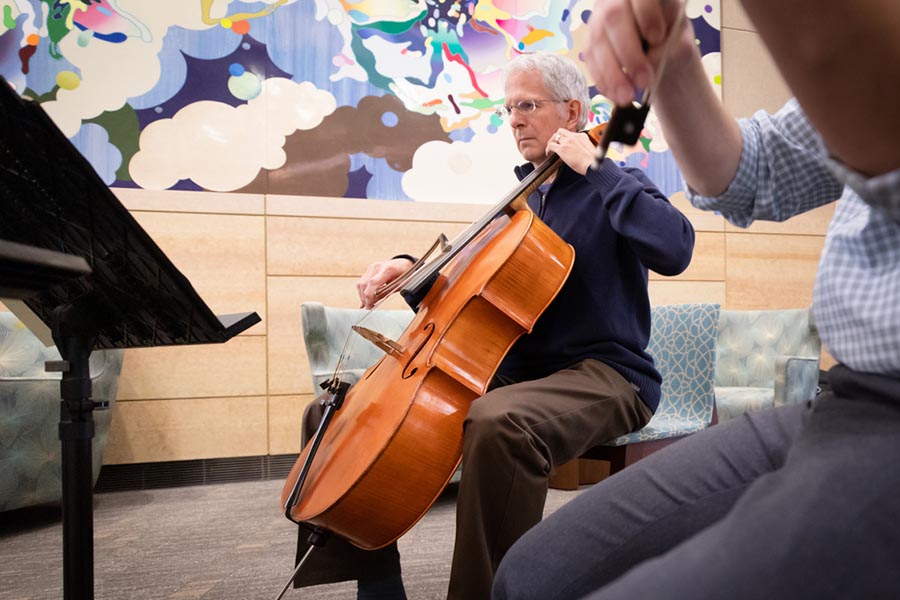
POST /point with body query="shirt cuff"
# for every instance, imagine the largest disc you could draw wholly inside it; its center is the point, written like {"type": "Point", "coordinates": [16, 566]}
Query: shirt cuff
{"type": "Point", "coordinates": [738, 197]}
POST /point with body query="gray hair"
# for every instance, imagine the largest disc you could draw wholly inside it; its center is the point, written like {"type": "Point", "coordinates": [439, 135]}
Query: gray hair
{"type": "Point", "coordinates": [562, 78]}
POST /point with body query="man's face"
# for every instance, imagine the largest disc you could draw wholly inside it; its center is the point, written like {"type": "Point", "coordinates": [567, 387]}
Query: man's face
{"type": "Point", "coordinates": [532, 131]}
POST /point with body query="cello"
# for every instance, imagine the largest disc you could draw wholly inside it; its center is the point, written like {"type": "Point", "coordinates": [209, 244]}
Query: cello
{"type": "Point", "coordinates": [386, 455]}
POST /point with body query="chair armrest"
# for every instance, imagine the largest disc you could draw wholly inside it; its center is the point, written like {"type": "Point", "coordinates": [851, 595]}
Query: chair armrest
{"type": "Point", "coordinates": [796, 379]}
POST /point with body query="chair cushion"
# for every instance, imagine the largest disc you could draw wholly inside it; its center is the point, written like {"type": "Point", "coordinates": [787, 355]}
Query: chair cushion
{"type": "Point", "coordinates": [733, 401]}
{"type": "Point", "coordinates": [20, 351]}
{"type": "Point", "coordinates": [750, 340]}
{"type": "Point", "coordinates": [683, 347]}
{"type": "Point", "coordinates": [661, 428]}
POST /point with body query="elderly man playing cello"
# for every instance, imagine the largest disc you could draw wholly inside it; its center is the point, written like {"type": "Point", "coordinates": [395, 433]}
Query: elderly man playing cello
{"type": "Point", "coordinates": [582, 376]}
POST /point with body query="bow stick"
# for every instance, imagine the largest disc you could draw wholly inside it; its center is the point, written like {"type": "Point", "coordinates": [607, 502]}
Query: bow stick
{"type": "Point", "coordinates": [627, 122]}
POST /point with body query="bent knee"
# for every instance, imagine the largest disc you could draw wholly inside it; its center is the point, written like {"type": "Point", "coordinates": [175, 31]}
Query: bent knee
{"type": "Point", "coordinates": [521, 575]}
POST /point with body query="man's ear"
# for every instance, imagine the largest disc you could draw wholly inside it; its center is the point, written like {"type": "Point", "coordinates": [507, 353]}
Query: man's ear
{"type": "Point", "coordinates": [574, 112]}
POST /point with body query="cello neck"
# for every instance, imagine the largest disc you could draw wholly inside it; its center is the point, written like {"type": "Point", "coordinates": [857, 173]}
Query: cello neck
{"type": "Point", "coordinates": [514, 201]}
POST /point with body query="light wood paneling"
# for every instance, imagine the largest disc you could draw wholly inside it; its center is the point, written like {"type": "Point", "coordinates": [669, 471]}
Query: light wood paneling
{"type": "Point", "coordinates": [353, 208]}
{"type": "Point", "coordinates": [702, 220]}
{"type": "Point", "coordinates": [163, 430]}
{"type": "Point", "coordinates": [686, 292]}
{"type": "Point", "coordinates": [285, 422]}
{"type": "Point", "coordinates": [751, 79]}
{"type": "Point", "coordinates": [313, 246]}
{"type": "Point", "coordinates": [288, 363]}
{"type": "Point", "coordinates": [707, 263]}
{"type": "Point", "coordinates": [771, 271]}
{"type": "Point", "coordinates": [734, 16]}
{"type": "Point", "coordinates": [193, 202]}
{"type": "Point", "coordinates": [814, 222]}
{"type": "Point", "coordinates": [235, 368]}
{"type": "Point", "coordinates": [223, 256]}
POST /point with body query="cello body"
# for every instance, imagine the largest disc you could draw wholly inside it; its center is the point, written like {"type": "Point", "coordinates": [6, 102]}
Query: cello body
{"type": "Point", "coordinates": [397, 439]}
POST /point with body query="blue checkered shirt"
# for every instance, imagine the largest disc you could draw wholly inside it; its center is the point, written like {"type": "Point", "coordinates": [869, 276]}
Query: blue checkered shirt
{"type": "Point", "coordinates": [785, 170]}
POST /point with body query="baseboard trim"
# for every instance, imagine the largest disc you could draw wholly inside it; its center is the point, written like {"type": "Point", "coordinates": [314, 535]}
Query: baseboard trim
{"type": "Point", "coordinates": [206, 471]}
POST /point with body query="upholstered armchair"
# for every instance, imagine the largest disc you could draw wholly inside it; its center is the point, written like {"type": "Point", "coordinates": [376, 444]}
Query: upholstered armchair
{"type": "Point", "coordinates": [326, 329]}
{"type": "Point", "coordinates": [30, 449]}
{"type": "Point", "coordinates": [765, 358]}
{"type": "Point", "coordinates": [683, 347]}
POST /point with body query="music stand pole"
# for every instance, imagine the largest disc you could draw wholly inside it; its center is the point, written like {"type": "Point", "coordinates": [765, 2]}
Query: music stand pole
{"type": "Point", "coordinates": [75, 336]}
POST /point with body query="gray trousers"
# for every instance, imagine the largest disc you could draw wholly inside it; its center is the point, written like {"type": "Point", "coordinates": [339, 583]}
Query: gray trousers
{"type": "Point", "coordinates": [796, 502]}
{"type": "Point", "coordinates": [513, 437]}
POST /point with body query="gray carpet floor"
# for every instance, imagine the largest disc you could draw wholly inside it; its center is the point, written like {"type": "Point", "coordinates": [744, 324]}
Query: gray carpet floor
{"type": "Point", "coordinates": [226, 541]}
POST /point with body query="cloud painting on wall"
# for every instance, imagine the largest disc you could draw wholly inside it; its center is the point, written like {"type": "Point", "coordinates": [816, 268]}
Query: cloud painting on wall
{"type": "Point", "coordinates": [379, 99]}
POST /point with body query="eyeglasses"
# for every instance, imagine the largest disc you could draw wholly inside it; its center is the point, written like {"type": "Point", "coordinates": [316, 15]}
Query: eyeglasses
{"type": "Point", "coordinates": [523, 106]}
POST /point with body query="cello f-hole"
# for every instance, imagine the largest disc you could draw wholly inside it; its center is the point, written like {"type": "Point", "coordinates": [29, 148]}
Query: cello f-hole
{"type": "Point", "coordinates": [407, 371]}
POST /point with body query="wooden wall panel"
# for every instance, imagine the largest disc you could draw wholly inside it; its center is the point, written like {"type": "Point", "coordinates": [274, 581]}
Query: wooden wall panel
{"type": "Point", "coordinates": [191, 202]}
{"type": "Point", "coordinates": [285, 422]}
{"type": "Point", "coordinates": [672, 291]}
{"type": "Point", "coordinates": [164, 430]}
{"type": "Point", "coordinates": [750, 79]}
{"type": "Point", "coordinates": [327, 246]}
{"type": "Point", "coordinates": [814, 222]}
{"type": "Point", "coordinates": [771, 271]}
{"type": "Point", "coordinates": [223, 256]}
{"type": "Point", "coordinates": [734, 17]}
{"type": "Point", "coordinates": [707, 262]}
{"type": "Point", "coordinates": [702, 220]}
{"type": "Point", "coordinates": [386, 210]}
{"type": "Point", "coordinates": [235, 368]}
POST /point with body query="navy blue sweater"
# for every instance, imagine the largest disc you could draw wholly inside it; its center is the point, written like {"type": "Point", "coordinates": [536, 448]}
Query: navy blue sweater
{"type": "Point", "coordinates": [620, 226]}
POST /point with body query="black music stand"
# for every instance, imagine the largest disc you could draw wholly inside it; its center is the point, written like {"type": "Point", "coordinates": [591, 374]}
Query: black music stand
{"type": "Point", "coordinates": [52, 200]}
{"type": "Point", "coordinates": [26, 270]}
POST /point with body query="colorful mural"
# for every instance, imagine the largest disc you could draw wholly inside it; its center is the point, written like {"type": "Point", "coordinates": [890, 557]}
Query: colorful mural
{"type": "Point", "coordinates": [380, 99]}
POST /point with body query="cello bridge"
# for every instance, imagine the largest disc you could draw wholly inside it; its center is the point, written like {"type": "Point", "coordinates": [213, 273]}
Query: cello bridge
{"type": "Point", "coordinates": [385, 344]}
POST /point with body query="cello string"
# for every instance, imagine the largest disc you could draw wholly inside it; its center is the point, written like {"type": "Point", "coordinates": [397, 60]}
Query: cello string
{"type": "Point", "coordinates": [350, 343]}
{"type": "Point", "coordinates": [525, 187]}
{"type": "Point", "coordinates": [351, 339]}
{"type": "Point", "coordinates": [346, 350]}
